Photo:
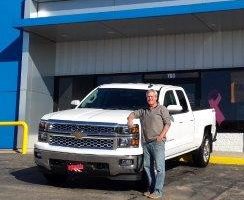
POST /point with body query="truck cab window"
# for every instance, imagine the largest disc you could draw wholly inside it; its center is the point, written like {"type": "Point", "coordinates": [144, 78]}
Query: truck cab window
{"type": "Point", "coordinates": [169, 98]}
{"type": "Point", "coordinates": [182, 100]}
{"type": "Point", "coordinates": [115, 98]}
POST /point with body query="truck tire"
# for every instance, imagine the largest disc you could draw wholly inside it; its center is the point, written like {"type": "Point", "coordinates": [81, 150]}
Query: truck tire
{"type": "Point", "coordinates": [201, 156]}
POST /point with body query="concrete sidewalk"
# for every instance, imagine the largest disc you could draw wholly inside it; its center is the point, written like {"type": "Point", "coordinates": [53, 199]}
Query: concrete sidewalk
{"type": "Point", "coordinates": [227, 158]}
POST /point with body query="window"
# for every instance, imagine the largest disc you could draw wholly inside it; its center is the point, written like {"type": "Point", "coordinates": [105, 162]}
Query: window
{"type": "Point", "coordinates": [223, 91]}
{"type": "Point", "coordinates": [70, 88]}
{"type": "Point", "coordinates": [237, 87]}
{"type": "Point", "coordinates": [169, 98]}
{"type": "Point", "coordinates": [182, 100]}
{"type": "Point", "coordinates": [116, 98]}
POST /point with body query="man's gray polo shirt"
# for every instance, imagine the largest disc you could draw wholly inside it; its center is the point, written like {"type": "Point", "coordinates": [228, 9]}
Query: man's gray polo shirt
{"type": "Point", "coordinates": [153, 121]}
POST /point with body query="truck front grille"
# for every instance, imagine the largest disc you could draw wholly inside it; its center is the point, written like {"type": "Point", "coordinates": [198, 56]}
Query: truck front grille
{"type": "Point", "coordinates": [91, 143]}
{"type": "Point", "coordinates": [68, 128]}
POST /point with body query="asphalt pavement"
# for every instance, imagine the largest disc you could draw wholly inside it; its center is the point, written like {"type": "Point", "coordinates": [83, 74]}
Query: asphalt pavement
{"type": "Point", "coordinates": [20, 179]}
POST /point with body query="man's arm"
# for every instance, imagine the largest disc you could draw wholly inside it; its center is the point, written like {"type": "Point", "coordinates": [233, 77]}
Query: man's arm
{"type": "Point", "coordinates": [130, 119]}
{"type": "Point", "coordinates": [166, 120]}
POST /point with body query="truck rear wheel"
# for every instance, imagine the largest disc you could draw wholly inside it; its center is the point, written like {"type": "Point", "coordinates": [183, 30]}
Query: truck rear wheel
{"type": "Point", "coordinates": [202, 155]}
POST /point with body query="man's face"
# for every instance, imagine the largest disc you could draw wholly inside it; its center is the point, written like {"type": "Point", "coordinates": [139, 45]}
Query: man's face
{"type": "Point", "coordinates": [151, 99]}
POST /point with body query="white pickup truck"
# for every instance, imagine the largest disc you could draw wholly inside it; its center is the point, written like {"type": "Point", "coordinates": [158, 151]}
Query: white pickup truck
{"type": "Point", "coordinates": [94, 139]}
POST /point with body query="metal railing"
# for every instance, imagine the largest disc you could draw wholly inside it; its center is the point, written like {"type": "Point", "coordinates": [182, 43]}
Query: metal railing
{"type": "Point", "coordinates": [25, 132]}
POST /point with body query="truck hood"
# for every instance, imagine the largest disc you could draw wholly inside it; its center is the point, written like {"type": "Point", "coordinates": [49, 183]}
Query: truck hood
{"type": "Point", "coordinates": [90, 115]}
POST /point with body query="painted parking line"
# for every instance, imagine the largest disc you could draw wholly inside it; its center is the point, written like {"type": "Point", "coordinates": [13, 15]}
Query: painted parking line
{"type": "Point", "coordinates": [225, 160]}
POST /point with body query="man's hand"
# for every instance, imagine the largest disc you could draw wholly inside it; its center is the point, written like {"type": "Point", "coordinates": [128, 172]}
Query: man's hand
{"type": "Point", "coordinates": [161, 138]}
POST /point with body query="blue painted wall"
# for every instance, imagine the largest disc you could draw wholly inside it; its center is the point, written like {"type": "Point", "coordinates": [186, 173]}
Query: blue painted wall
{"type": "Point", "coordinates": [10, 63]}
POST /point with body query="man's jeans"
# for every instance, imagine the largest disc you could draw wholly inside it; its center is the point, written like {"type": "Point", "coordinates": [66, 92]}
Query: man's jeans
{"type": "Point", "coordinates": [154, 165]}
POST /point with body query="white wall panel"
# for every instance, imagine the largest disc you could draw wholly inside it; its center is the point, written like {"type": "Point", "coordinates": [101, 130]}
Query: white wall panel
{"type": "Point", "coordinates": [116, 58]}
{"type": "Point", "coordinates": [180, 51]}
{"type": "Point", "coordinates": [125, 55]}
{"type": "Point", "coordinates": [227, 49]}
{"type": "Point", "coordinates": [161, 51]}
{"type": "Point", "coordinates": [38, 84]}
{"type": "Point", "coordinates": [238, 42]}
{"type": "Point", "coordinates": [189, 51]}
{"type": "Point", "coordinates": [108, 61]}
{"type": "Point", "coordinates": [133, 55]}
{"type": "Point", "coordinates": [156, 53]}
{"type": "Point", "coordinates": [208, 50]}
{"type": "Point", "coordinates": [83, 63]}
{"type": "Point", "coordinates": [75, 57]}
{"type": "Point", "coordinates": [198, 51]}
{"type": "Point", "coordinates": [217, 49]}
{"type": "Point", "coordinates": [91, 57]}
{"type": "Point", "coordinates": [170, 53]}
{"type": "Point", "coordinates": [142, 62]}
{"type": "Point", "coordinates": [152, 53]}
{"type": "Point", "coordinates": [100, 57]}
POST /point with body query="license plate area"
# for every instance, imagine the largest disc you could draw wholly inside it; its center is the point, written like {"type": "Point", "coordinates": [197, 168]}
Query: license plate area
{"type": "Point", "coordinates": [79, 166]}
{"type": "Point", "coordinates": [75, 167]}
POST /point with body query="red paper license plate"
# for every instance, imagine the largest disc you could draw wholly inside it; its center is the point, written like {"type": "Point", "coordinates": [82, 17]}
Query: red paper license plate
{"type": "Point", "coordinates": [75, 167]}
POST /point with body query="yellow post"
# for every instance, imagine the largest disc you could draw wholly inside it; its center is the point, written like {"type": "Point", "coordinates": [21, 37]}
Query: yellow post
{"type": "Point", "coordinates": [25, 132]}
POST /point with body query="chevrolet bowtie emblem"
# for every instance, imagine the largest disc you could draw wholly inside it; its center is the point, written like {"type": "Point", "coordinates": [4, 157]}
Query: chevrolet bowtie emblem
{"type": "Point", "coordinates": [78, 135]}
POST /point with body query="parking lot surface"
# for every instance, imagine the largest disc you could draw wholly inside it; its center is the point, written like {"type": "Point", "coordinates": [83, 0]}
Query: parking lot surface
{"type": "Point", "coordinates": [21, 180]}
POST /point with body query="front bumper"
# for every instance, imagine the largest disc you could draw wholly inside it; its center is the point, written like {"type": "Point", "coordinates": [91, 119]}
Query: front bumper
{"type": "Point", "coordinates": [114, 169]}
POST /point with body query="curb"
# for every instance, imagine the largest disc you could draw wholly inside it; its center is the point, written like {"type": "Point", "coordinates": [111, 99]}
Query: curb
{"type": "Point", "coordinates": [226, 160]}
{"type": "Point", "coordinates": [3, 151]}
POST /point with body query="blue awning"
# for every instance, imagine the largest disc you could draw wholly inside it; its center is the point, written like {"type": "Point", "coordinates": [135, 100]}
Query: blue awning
{"type": "Point", "coordinates": [201, 17]}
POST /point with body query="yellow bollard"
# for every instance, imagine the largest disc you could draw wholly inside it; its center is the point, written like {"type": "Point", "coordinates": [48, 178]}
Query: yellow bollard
{"type": "Point", "coordinates": [25, 132]}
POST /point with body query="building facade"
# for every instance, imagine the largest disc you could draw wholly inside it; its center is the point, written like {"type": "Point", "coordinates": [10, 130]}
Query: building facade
{"type": "Point", "coordinates": [70, 47]}
{"type": "Point", "coordinates": [10, 65]}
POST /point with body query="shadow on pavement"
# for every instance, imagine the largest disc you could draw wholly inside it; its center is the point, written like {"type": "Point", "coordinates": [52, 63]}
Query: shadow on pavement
{"type": "Point", "coordinates": [34, 176]}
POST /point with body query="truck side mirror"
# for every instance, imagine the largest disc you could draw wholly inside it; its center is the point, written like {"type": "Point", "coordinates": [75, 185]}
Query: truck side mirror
{"type": "Point", "coordinates": [174, 108]}
{"type": "Point", "coordinates": [75, 103]}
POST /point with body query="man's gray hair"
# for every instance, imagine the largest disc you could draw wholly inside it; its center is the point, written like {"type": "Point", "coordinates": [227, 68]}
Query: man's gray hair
{"type": "Point", "coordinates": [152, 91]}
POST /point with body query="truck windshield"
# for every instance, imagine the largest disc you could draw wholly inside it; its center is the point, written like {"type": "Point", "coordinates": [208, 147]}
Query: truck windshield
{"type": "Point", "coordinates": [116, 98]}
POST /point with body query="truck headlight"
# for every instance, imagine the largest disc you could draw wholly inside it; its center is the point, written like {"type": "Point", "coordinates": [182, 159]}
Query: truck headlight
{"type": "Point", "coordinates": [124, 142]}
{"type": "Point", "coordinates": [124, 129]}
{"type": "Point", "coordinates": [128, 137]}
{"type": "Point", "coordinates": [127, 142]}
{"type": "Point", "coordinates": [43, 125]}
{"type": "Point", "coordinates": [134, 129]}
{"type": "Point", "coordinates": [42, 136]}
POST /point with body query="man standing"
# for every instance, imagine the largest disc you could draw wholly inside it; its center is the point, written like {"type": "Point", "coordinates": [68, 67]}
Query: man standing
{"type": "Point", "coordinates": [155, 122]}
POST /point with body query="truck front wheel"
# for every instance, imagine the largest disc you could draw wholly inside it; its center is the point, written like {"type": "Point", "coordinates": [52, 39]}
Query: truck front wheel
{"type": "Point", "coordinates": [201, 156]}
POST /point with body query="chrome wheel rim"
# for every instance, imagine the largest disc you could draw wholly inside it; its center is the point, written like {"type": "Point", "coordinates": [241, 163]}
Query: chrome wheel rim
{"type": "Point", "coordinates": [206, 151]}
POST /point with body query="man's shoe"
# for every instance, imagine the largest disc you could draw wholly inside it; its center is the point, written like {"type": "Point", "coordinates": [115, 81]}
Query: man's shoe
{"type": "Point", "coordinates": [147, 194]}
{"type": "Point", "coordinates": [155, 195]}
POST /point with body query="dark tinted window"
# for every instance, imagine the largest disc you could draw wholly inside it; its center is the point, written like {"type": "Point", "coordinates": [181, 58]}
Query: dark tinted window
{"type": "Point", "coordinates": [169, 98]}
{"type": "Point", "coordinates": [182, 100]}
{"type": "Point", "coordinates": [116, 98]}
